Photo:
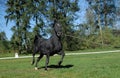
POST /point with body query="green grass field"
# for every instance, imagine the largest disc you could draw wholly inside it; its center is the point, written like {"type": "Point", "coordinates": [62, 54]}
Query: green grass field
{"type": "Point", "coordinates": [79, 66]}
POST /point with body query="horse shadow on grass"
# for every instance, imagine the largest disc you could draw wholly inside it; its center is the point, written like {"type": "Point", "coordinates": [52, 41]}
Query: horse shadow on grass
{"type": "Point", "coordinates": [58, 67]}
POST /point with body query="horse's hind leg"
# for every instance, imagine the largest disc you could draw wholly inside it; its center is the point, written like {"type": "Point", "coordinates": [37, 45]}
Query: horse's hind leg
{"type": "Point", "coordinates": [33, 59]}
{"type": "Point", "coordinates": [38, 59]}
{"type": "Point", "coordinates": [47, 61]}
{"type": "Point", "coordinates": [61, 60]}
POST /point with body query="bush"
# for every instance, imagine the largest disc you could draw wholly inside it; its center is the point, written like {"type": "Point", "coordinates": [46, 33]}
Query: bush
{"type": "Point", "coordinates": [4, 46]}
{"type": "Point", "coordinates": [116, 43]}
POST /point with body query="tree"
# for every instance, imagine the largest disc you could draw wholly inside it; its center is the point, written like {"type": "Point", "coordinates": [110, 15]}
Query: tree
{"type": "Point", "coordinates": [17, 11]}
{"type": "Point", "coordinates": [91, 27]}
{"type": "Point", "coordinates": [117, 14]}
{"type": "Point", "coordinates": [3, 36]}
{"type": "Point", "coordinates": [43, 13]}
{"type": "Point", "coordinates": [106, 9]}
{"type": "Point", "coordinates": [4, 44]}
{"type": "Point", "coordinates": [56, 10]}
{"type": "Point", "coordinates": [105, 12]}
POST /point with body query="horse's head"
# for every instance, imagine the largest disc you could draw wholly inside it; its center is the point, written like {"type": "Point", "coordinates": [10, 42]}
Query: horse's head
{"type": "Point", "coordinates": [58, 29]}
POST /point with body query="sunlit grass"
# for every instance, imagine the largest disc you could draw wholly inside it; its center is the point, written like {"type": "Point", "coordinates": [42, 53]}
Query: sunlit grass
{"type": "Point", "coordinates": [81, 66]}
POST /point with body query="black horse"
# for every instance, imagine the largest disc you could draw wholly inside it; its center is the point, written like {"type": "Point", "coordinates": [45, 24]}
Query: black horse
{"type": "Point", "coordinates": [50, 46]}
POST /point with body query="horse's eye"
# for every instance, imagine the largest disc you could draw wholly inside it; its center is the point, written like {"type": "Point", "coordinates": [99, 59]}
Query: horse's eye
{"type": "Point", "coordinates": [58, 25]}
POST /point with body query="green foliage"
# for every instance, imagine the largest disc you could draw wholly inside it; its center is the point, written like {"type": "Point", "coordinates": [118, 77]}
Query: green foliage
{"type": "Point", "coordinates": [116, 40]}
{"type": "Point", "coordinates": [43, 13]}
{"type": "Point", "coordinates": [72, 44]}
{"type": "Point", "coordinates": [106, 9]}
{"type": "Point", "coordinates": [4, 44]}
{"type": "Point", "coordinates": [116, 43]}
{"type": "Point", "coordinates": [3, 36]}
{"type": "Point", "coordinates": [108, 37]}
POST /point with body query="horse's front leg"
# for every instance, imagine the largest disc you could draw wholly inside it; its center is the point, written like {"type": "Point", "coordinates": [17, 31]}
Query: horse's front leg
{"type": "Point", "coordinates": [47, 61]}
{"type": "Point", "coordinates": [61, 60]}
{"type": "Point", "coordinates": [38, 59]}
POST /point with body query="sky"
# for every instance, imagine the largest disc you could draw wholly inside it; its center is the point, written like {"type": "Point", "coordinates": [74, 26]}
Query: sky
{"type": "Point", "coordinates": [3, 26]}
{"type": "Point", "coordinates": [7, 28]}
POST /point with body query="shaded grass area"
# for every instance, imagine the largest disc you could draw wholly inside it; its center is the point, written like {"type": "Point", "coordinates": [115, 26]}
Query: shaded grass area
{"type": "Point", "coordinates": [7, 54]}
{"type": "Point", "coordinates": [12, 54]}
{"type": "Point", "coordinates": [94, 50]}
{"type": "Point", "coordinates": [81, 66]}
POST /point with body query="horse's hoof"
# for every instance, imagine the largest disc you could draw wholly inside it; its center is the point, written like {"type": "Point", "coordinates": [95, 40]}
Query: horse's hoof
{"type": "Point", "coordinates": [59, 63]}
{"type": "Point", "coordinates": [36, 68]}
{"type": "Point", "coordinates": [46, 69]}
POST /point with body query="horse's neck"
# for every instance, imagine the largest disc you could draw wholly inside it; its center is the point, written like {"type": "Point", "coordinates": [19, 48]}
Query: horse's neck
{"type": "Point", "coordinates": [56, 42]}
{"type": "Point", "coordinates": [55, 39]}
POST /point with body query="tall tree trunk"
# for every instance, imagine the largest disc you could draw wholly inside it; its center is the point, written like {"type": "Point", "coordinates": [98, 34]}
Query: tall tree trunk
{"type": "Point", "coordinates": [99, 23]}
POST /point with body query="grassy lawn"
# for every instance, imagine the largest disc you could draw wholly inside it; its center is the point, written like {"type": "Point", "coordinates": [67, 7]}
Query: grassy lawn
{"type": "Point", "coordinates": [80, 66]}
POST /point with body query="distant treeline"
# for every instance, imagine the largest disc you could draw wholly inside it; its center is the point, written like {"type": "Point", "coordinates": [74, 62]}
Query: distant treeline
{"type": "Point", "coordinates": [111, 39]}
{"type": "Point", "coordinates": [33, 17]}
